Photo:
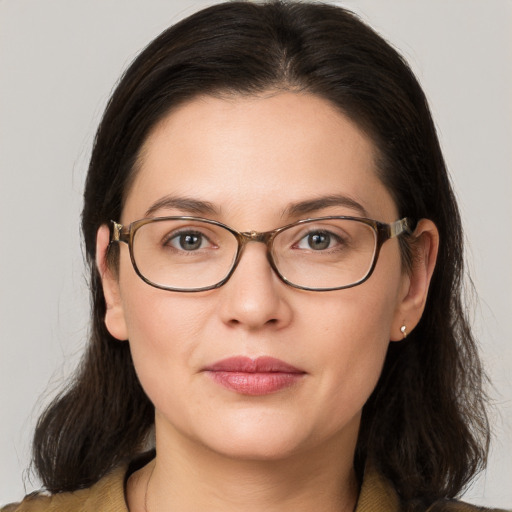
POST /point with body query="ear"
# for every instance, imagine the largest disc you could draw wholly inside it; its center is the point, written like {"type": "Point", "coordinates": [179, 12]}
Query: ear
{"type": "Point", "coordinates": [413, 295]}
{"type": "Point", "coordinates": [114, 316]}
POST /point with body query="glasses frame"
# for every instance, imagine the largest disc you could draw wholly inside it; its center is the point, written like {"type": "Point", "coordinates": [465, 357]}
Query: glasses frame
{"type": "Point", "coordinates": [383, 231]}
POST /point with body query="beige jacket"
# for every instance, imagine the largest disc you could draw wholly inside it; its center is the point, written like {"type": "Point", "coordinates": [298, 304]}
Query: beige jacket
{"type": "Point", "coordinates": [377, 495]}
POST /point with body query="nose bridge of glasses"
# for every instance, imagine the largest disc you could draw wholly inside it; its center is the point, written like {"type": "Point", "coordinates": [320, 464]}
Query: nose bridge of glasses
{"type": "Point", "coordinates": [255, 236]}
{"type": "Point", "coordinates": [265, 238]}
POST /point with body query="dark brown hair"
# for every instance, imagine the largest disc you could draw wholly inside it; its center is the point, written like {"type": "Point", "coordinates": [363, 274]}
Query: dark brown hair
{"type": "Point", "coordinates": [425, 425]}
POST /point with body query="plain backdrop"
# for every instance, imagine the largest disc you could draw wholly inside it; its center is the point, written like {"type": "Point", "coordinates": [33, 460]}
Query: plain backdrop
{"type": "Point", "coordinates": [58, 63]}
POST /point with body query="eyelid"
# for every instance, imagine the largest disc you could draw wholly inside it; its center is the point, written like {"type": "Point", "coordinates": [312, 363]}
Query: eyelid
{"type": "Point", "coordinates": [185, 230]}
{"type": "Point", "coordinates": [321, 226]}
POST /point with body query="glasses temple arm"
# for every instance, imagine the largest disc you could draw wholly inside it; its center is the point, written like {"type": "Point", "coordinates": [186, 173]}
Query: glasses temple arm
{"type": "Point", "coordinates": [117, 233]}
{"type": "Point", "coordinates": [399, 227]}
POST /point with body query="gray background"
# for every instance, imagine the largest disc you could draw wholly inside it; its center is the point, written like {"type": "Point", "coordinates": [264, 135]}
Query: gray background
{"type": "Point", "coordinates": [58, 63]}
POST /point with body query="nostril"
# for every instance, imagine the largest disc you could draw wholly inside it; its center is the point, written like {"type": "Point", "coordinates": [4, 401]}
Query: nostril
{"type": "Point", "coordinates": [271, 321]}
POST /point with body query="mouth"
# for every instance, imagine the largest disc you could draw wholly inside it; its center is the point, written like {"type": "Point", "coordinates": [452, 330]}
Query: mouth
{"type": "Point", "coordinates": [260, 376]}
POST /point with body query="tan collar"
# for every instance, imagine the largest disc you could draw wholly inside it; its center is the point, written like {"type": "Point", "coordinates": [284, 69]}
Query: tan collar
{"type": "Point", "coordinates": [108, 495]}
{"type": "Point", "coordinates": [377, 494]}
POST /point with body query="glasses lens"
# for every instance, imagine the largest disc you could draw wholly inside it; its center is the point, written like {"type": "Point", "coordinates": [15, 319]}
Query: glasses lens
{"type": "Point", "coordinates": [183, 254]}
{"type": "Point", "coordinates": [325, 253]}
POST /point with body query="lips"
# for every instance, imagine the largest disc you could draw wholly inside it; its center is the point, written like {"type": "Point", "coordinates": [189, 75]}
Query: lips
{"type": "Point", "coordinates": [260, 376]}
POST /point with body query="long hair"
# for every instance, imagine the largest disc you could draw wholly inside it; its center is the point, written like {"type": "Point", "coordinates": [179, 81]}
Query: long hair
{"type": "Point", "coordinates": [425, 425]}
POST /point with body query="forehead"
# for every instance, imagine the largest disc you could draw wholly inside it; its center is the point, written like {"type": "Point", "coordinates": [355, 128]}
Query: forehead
{"type": "Point", "coordinates": [257, 154]}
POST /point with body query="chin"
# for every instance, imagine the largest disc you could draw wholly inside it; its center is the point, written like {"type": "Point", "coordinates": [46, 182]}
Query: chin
{"type": "Point", "coordinates": [257, 438]}
{"type": "Point", "coordinates": [256, 448]}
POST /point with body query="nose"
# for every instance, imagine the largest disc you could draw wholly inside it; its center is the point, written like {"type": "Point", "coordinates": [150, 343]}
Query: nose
{"type": "Point", "coordinates": [255, 297]}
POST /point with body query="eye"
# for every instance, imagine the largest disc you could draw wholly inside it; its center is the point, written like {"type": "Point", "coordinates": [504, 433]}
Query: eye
{"type": "Point", "coordinates": [188, 241]}
{"type": "Point", "coordinates": [318, 240]}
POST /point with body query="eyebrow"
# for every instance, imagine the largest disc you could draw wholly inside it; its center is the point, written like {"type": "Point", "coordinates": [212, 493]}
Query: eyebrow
{"type": "Point", "coordinates": [184, 204]}
{"type": "Point", "coordinates": [319, 203]}
{"type": "Point", "coordinates": [200, 207]}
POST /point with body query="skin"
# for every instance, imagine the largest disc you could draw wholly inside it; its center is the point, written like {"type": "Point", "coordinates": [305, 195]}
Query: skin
{"type": "Point", "coordinates": [251, 157]}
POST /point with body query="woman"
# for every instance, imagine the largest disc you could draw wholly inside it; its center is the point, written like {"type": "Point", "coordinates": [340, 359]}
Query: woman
{"type": "Point", "coordinates": [263, 373]}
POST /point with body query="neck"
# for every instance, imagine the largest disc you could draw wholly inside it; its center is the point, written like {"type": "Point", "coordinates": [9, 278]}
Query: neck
{"type": "Point", "coordinates": [192, 477]}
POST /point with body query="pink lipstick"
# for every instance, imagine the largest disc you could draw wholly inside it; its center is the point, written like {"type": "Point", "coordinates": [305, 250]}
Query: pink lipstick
{"type": "Point", "coordinates": [259, 376]}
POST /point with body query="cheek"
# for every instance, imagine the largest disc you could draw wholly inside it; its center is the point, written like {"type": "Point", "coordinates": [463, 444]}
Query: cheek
{"type": "Point", "coordinates": [162, 329]}
{"type": "Point", "coordinates": [358, 337]}
{"type": "Point", "coordinates": [350, 345]}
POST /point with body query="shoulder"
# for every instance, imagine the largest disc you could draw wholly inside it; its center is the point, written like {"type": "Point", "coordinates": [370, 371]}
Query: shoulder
{"type": "Point", "coordinates": [378, 494]}
{"type": "Point", "coordinates": [106, 495]}
{"type": "Point", "coordinates": [38, 502]}
{"type": "Point", "coordinates": [459, 506]}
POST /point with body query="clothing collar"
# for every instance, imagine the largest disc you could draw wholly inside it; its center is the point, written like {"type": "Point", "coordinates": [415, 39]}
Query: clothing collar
{"type": "Point", "coordinates": [108, 495]}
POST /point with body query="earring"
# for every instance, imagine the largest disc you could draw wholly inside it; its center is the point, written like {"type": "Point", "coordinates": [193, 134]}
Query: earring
{"type": "Point", "coordinates": [403, 330]}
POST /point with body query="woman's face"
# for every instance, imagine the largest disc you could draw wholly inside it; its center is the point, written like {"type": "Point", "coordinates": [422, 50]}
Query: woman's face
{"type": "Point", "coordinates": [248, 161]}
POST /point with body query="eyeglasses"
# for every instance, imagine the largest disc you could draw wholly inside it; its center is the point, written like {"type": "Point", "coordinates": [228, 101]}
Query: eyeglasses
{"type": "Point", "coordinates": [192, 254]}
